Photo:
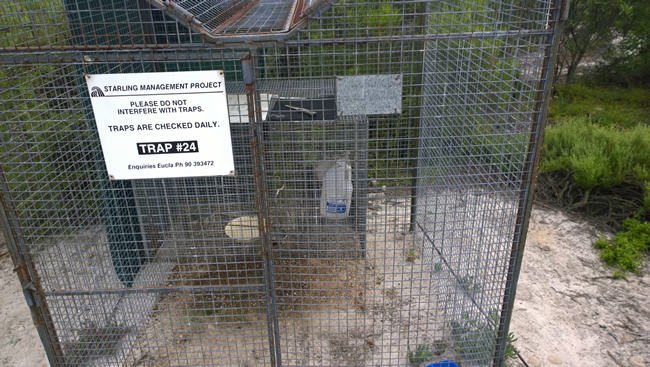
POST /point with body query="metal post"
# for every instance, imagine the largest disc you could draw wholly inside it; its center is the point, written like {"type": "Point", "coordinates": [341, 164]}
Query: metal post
{"type": "Point", "coordinates": [529, 179]}
{"type": "Point", "coordinates": [27, 274]}
{"type": "Point", "coordinates": [261, 190]}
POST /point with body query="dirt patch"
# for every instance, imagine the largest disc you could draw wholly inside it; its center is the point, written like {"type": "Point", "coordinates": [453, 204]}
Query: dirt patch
{"type": "Point", "coordinates": [321, 282]}
{"type": "Point", "coordinates": [20, 345]}
{"type": "Point", "coordinates": [568, 311]}
{"type": "Point", "coordinates": [331, 311]}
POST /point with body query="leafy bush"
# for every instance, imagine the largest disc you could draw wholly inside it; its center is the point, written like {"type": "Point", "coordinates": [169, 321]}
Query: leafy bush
{"type": "Point", "coordinates": [475, 339]}
{"type": "Point", "coordinates": [32, 23]}
{"type": "Point", "coordinates": [605, 106]}
{"type": "Point", "coordinates": [422, 354]}
{"type": "Point", "coordinates": [603, 140]}
{"type": "Point", "coordinates": [598, 156]}
{"type": "Point", "coordinates": [626, 251]}
{"type": "Point", "coordinates": [48, 154]}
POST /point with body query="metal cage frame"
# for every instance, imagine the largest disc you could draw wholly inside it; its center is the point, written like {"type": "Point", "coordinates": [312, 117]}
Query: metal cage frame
{"type": "Point", "coordinates": [437, 110]}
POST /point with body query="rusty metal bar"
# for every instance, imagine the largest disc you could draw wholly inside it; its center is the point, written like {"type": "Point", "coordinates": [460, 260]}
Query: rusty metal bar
{"type": "Point", "coordinates": [27, 274]}
{"type": "Point", "coordinates": [261, 190]}
{"type": "Point", "coordinates": [169, 289]}
{"type": "Point", "coordinates": [271, 40]}
{"type": "Point", "coordinates": [118, 56]}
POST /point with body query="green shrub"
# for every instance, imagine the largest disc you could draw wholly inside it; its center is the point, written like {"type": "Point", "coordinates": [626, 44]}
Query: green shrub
{"type": "Point", "coordinates": [511, 350]}
{"type": "Point", "coordinates": [475, 339]}
{"type": "Point", "coordinates": [626, 251]}
{"type": "Point", "coordinates": [646, 196]}
{"type": "Point", "coordinates": [597, 156]}
{"type": "Point", "coordinates": [600, 154]}
{"type": "Point", "coordinates": [422, 354]}
{"type": "Point", "coordinates": [605, 106]}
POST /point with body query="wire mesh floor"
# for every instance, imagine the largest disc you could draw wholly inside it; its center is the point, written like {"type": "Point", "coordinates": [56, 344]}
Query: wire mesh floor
{"type": "Point", "coordinates": [331, 312]}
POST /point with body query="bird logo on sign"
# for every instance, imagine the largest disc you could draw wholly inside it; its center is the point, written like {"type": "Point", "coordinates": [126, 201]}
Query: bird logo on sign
{"type": "Point", "coordinates": [96, 92]}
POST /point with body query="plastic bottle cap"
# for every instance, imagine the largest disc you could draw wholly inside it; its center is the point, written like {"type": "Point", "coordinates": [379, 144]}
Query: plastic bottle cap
{"type": "Point", "coordinates": [443, 364]}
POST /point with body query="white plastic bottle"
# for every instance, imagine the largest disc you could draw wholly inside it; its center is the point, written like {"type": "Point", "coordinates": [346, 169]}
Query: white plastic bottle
{"type": "Point", "coordinates": [336, 195]}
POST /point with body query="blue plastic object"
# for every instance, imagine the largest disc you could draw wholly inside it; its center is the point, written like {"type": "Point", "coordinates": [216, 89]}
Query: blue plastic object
{"type": "Point", "coordinates": [443, 364]}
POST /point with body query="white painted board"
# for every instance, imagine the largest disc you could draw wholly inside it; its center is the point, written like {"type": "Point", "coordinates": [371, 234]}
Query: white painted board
{"type": "Point", "coordinates": [160, 125]}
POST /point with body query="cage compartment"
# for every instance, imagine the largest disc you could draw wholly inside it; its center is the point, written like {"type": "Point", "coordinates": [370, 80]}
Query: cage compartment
{"type": "Point", "coordinates": [296, 144]}
{"type": "Point", "coordinates": [216, 19]}
{"type": "Point", "coordinates": [302, 136]}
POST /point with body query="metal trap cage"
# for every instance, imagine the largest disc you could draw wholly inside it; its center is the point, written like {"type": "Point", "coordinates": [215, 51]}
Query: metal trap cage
{"type": "Point", "coordinates": [243, 20]}
{"type": "Point", "coordinates": [283, 183]}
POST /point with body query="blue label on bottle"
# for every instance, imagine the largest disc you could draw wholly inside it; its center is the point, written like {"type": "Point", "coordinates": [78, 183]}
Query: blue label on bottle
{"type": "Point", "coordinates": [337, 206]}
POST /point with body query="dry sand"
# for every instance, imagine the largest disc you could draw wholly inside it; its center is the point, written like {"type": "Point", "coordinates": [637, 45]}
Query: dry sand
{"type": "Point", "coordinates": [568, 311]}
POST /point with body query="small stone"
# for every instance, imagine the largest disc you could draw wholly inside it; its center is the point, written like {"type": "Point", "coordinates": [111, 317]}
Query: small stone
{"type": "Point", "coordinates": [637, 361]}
{"type": "Point", "coordinates": [546, 248]}
{"type": "Point", "coordinates": [626, 338]}
{"type": "Point", "coordinates": [554, 359]}
{"type": "Point", "coordinates": [533, 361]}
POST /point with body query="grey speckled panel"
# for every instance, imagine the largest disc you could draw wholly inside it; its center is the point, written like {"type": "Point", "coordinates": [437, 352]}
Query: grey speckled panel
{"type": "Point", "coordinates": [369, 94]}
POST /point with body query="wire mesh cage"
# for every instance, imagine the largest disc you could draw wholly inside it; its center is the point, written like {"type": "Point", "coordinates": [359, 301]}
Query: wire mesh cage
{"type": "Point", "coordinates": [237, 16]}
{"type": "Point", "coordinates": [369, 201]}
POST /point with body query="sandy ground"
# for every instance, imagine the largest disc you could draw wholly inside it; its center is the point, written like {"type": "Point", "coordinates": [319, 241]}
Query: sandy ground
{"type": "Point", "coordinates": [20, 345]}
{"type": "Point", "coordinates": [568, 312]}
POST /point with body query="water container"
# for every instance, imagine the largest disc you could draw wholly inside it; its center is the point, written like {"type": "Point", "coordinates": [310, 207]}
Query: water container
{"type": "Point", "coordinates": [336, 195]}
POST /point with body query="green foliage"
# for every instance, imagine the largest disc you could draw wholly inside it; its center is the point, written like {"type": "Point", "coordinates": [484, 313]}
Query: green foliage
{"type": "Point", "coordinates": [383, 17]}
{"type": "Point", "coordinates": [422, 354]}
{"type": "Point", "coordinates": [511, 351]}
{"type": "Point", "coordinates": [605, 106]}
{"type": "Point", "coordinates": [594, 24]}
{"type": "Point", "coordinates": [48, 154]}
{"type": "Point", "coordinates": [500, 150]}
{"type": "Point", "coordinates": [485, 64]}
{"type": "Point", "coordinates": [646, 196]}
{"type": "Point", "coordinates": [588, 27]}
{"type": "Point", "coordinates": [626, 251]}
{"type": "Point", "coordinates": [32, 23]}
{"type": "Point", "coordinates": [391, 138]}
{"type": "Point", "coordinates": [597, 156]}
{"type": "Point", "coordinates": [475, 339]}
{"type": "Point", "coordinates": [602, 136]}
{"type": "Point", "coordinates": [627, 61]}
{"type": "Point", "coordinates": [470, 284]}
{"type": "Point", "coordinates": [44, 135]}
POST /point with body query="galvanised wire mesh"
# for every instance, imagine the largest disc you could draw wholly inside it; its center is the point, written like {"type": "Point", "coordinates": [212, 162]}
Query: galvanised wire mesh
{"type": "Point", "coordinates": [422, 118]}
{"type": "Point", "coordinates": [239, 16]}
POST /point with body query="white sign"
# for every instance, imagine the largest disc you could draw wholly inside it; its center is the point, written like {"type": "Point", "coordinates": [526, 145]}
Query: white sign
{"type": "Point", "coordinates": [157, 125]}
